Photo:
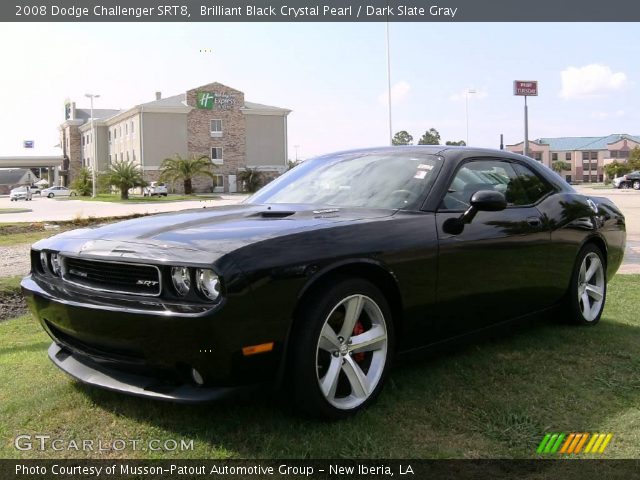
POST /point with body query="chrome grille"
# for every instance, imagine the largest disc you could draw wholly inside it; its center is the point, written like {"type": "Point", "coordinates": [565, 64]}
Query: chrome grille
{"type": "Point", "coordinates": [117, 277]}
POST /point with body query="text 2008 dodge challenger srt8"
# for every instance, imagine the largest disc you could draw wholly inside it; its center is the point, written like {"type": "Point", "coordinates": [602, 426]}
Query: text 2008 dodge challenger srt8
{"type": "Point", "coordinates": [320, 278]}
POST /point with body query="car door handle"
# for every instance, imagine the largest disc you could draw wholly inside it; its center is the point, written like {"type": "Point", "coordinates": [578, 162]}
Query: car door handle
{"type": "Point", "coordinates": [534, 221]}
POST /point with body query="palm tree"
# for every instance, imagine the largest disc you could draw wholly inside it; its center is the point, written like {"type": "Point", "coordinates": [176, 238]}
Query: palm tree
{"type": "Point", "coordinates": [251, 178]}
{"type": "Point", "coordinates": [83, 184]}
{"type": "Point", "coordinates": [178, 168]}
{"type": "Point", "coordinates": [560, 166]}
{"type": "Point", "coordinates": [124, 175]}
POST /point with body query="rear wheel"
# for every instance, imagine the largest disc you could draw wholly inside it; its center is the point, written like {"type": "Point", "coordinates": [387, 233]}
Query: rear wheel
{"type": "Point", "coordinates": [342, 349]}
{"type": "Point", "coordinates": [588, 290]}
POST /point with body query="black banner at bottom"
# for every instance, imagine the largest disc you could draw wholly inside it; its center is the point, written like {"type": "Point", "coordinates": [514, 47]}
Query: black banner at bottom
{"type": "Point", "coordinates": [122, 469]}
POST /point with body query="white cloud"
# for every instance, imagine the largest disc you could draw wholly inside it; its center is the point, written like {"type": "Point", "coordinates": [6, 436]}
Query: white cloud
{"type": "Point", "coordinates": [399, 92]}
{"type": "Point", "coordinates": [606, 115]}
{"type": "Point", "coordinates": [590, 81]}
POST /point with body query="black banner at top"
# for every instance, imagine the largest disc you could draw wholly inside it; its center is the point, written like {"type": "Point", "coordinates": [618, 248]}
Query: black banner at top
{"type": "Point", "coordinates": [320, 11]}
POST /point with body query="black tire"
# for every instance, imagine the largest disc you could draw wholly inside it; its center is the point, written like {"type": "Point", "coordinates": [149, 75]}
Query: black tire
{"type": "Point", "coordinates": [50, 195]}
{"type": "Point", "coordinates": [636, 184]}
{"type": "Point", "coordinates": [320, 307]}
{"type": "Point", "coordinates": [573, 305]}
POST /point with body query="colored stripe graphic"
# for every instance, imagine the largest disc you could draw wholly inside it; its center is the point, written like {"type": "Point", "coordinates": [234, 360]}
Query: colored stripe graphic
{"type": "Point", "coordinates": [573, 443]}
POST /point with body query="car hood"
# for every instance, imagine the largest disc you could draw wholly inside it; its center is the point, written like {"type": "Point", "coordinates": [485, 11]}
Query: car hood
{"type": "Point", "coordinates": [203, 235]}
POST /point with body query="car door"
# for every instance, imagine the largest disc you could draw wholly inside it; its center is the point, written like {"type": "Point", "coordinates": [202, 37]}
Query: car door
{"type": "Point", "coordinates": [496, 268]}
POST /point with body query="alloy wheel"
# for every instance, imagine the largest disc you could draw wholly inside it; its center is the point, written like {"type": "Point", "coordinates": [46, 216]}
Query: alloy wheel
{"type": "Point", "coordinates": [591, 286]}
{"type": "Point", "coordinates": [351, 352]}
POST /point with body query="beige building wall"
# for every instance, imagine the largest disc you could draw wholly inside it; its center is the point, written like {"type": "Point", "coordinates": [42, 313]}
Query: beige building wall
{"type": "Point", "coordinates": [164, 135]}
{"type": "Point", "coordinates": [266, 141]}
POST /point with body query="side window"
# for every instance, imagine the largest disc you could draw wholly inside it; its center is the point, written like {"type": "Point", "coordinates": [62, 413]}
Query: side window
{"type": "Point", "coordinates": [477, 175]}
{"type": "Point", "coordinates": [532, 185]}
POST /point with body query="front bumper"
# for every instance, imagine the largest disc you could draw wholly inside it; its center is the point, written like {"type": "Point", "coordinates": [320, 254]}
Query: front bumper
{"type": "Point", "coordinates": [136, 350]}
{"type": "Point", "coordinates": [92, 373]}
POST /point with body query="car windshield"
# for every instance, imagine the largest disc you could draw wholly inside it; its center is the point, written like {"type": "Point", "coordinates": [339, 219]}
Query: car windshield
{"type": "Point", "coordinates": [375, 180]}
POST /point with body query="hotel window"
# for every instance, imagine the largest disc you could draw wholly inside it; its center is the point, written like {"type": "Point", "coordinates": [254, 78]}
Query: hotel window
{"type": "Point", "coordinates": [216, 128]}
{"type": "Point", "coordinates": [537, 156]}
{"type": "Point", "coordinates": [126, 129]}
{"type": "Point", "coordinates": [115, 133]}
{"type": "Point", "coordinates": [127, 156]}
{"type": "Point", "coordinates": [132, 130]}
{"type": "Point", "coordinates": [83, 140]}
{"type": "Point", "coordinates": [568, 156]}
{"type": "Point", "coordinates": [134, 155]}
{"type": "Point", "coordinates": [554, 157]}
{"type": "Point", "coordinates": [216, 155]}
{"type": "Point", "coordinates": [109, 136]}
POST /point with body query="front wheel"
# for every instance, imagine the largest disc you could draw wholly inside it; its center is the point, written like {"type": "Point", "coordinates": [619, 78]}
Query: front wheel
{"type": "Point", "coordinates": [342, 349]}
{"type": "Point", "coordinates": [50, 195]}
{"type": "Point", "coordinates": [636, 184]}
{"type": "Point", "coordinates": [588, 289]}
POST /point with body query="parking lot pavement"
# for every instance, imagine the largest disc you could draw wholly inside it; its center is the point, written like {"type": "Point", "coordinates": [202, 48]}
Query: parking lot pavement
{"type": "Point", "coordinates": [48, 209]}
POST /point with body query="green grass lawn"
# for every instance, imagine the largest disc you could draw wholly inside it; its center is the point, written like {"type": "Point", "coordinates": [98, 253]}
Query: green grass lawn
{"type": "Point", "coordinates": [494, 398]}
{"type": "Point", "coordinates": [115, 198]}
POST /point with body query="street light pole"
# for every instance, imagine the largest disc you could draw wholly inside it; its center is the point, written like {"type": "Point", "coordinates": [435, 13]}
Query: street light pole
{"type": "Point", "coordinates": [389, 83]}
{"type": "Point", "coordinates": [466, 109]}
{"type": "Point", "coordinates": [91, 96]}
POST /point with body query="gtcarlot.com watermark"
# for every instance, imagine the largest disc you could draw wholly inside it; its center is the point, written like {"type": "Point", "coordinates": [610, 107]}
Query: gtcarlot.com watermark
{"type": "Point", "coordinates": [48, 443]}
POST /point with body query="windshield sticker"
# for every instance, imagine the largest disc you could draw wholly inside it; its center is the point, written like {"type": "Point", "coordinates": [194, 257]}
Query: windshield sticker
{"type": "Point", "coordinates": [422, 166]}
{"type": "Point", "coordinates": [420, 174]}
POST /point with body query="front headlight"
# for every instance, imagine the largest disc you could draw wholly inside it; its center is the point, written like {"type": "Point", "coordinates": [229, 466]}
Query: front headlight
{"type": "Point", "coordinates": [208, 283]}
{"type": "Point", "coordinates": [181, 280]}
{"type": "Point", "coordinates": [44, 262]}
{"type": "Point", "coordinates": [55, 264]}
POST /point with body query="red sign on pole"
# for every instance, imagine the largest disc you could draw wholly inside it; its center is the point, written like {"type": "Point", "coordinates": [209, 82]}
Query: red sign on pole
{"type": "Point", "coordinates": [525, 88]}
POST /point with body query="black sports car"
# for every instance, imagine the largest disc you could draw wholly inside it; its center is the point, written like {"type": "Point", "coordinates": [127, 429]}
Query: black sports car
{"type": "Point", "coordinates": [316, 282]}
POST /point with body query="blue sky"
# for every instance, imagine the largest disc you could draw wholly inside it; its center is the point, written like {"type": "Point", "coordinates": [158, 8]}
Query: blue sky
{"type": "Point", "coordinates": [333, 76]}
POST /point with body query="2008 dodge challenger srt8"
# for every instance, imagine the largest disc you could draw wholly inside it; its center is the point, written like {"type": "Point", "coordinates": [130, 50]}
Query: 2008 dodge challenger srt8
{"type": "Point", "coordinates": [318, 280]}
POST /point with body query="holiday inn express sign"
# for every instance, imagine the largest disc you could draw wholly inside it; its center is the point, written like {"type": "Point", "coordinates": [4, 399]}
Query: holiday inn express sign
{"type": "Point", "coordinates": [525, 88]}
{"type": "Point", "coordinates": [211, 100]}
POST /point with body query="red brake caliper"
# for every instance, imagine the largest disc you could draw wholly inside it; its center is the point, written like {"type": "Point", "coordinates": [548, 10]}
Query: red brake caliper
{"type": "Point", "coordinates": [357, 330]}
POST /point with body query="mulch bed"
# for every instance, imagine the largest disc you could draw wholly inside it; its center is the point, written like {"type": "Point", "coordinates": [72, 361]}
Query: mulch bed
{"type": "Point", "coordinates": [12, 305]}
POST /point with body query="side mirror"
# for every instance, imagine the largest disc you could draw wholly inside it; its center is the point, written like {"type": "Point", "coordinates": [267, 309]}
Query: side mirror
{"type": "Point", "coordinates": [488, 201]}
{"type": "Point", "coordinates": [481, 201]}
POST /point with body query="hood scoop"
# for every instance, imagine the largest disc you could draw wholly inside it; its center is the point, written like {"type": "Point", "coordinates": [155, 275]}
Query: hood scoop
{"type": "Point", "coordinates": [274, 214]}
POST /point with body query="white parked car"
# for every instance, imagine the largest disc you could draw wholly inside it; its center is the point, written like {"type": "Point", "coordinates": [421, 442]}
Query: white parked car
{"type": "Point", "coordinates": [58, 192]}
{"type": "Point", "coordinates": [20, 193]}
{"type": "Point", "coordinates": [155, 188]}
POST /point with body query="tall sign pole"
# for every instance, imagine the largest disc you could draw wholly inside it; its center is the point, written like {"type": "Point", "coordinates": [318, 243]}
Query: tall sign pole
{"type": "Point", "coordinates": [525, 88]}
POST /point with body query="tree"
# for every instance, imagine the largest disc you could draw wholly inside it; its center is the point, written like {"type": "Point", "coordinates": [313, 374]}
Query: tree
{"type": "Point", "coordinates": [430, 137]}
{"type": "Point", "coordinates": [251, 178]}
{"type": "Point", "coordinates": [124, 174]}
{"type": "Point", "coordinates": [459, 143]}
{"type": "Point", "coordinates": [83, 183]}
{"type": "Point", "coordinates": [634, 159]}
{"type": "Point", "coordinates": [178, 168]}
{"type": "Point", "coordinates": [402, 138]}
{"type": "Point", "coordinates": [560, 166]}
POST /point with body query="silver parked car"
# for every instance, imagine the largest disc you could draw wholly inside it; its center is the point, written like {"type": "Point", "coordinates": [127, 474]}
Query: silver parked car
{"type": "Point", "coordinates": [57, 192]}
{"type": "Point", "coordinates": [21, 193]}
